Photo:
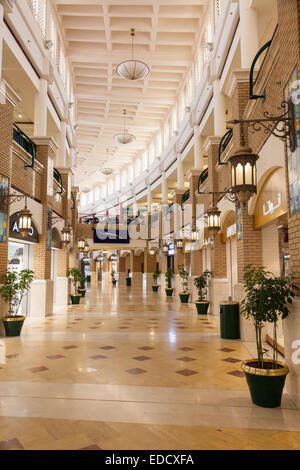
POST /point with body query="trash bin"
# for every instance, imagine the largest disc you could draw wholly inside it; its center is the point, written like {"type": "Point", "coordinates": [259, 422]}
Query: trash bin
{"type": "Point", "coordinates": [230, 321]}
{"type": "Point", "coordinates": [128, 281]}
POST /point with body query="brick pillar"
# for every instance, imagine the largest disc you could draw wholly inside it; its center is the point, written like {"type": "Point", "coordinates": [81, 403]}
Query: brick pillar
{"type": "Point", "coordinates": [8, 102]}
{"type": "Point", "coordinates": [212, 148]}
{"type": "Point", "coordinates": [63, 285]}
{"type": "Point", "coordinates": [136, 267]}
{"type": "Point", "coordinates": [249, 249]}
{"type": "Point", "coordinates": [74, 219]}
{"type": "Point", "coordinates": [149, 266]}
{"type": "Point", "coordinates": [42, 298]}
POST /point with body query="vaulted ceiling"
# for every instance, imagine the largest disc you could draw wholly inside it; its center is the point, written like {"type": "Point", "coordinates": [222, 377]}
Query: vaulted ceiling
{"type": "Point", "coordinates": [97, 35]}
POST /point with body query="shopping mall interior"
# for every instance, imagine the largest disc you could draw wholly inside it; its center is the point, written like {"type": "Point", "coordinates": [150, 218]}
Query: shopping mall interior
{"type": "Point", "coordinates": [149, 225]}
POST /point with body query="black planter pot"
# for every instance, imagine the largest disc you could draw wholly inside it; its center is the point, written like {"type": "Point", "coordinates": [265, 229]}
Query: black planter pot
{"type": "Point", "coordinates": [128, 281]}
{"type": "Point", "coordinates": [13, 325]}
{"type": "Point", "coordinates": [81, 291]}
{"type": "Point", "coordinates": [265, 385]}
{"type": "Point", "coordinates": [155, 288]}
{"type": "Point", "coordinates": [184, 297]}
{"type": "Point", "coordinates": [169, 291]}
{"type": "Point", "coordinates": [202, 307]}
{"type": "Point", "coordinates": [75, 299]}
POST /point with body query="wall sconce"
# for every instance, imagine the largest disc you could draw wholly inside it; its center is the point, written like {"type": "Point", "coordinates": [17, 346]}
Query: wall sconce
{"type": "Point", "coordinates": [165, 248]}
{"type": "Point", "coordinates": [66, 235]}
{"type": "Point", "coordinates": [213, 220]}
{"type": "Point", "coordinates": [151, 252]}
{"type": "Point", "coordinates": [25, 216]}
{"type": "Point", "coordinates": [81, 244]}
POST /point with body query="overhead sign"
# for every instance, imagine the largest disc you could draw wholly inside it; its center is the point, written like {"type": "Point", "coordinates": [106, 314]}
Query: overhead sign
{"type": "Point", "coordinates": [111, 236]}
{"type": "Point", "coordinates": [14, 231]}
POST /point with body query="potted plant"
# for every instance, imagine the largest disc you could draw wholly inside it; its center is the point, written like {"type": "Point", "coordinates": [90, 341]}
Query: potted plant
{"type": "Point", "coordinates": [76, 276]}
{"type": "Point", "coordinates": [200, 283]}
{"type": "Point", "coordinates": [169, 276]}
{"type": "Point", "coordinates": [15, 286]}
{"type": "Point", "coordinates": [113, 278]}
{"type": "Point", "coordinates": [184, 275]}
{"type": "Point", "coordinates": [82, 290]}
{"type": "Point", "coordinates": [266, 300]}
{"type": "Point", "coordinates": [156, 275]}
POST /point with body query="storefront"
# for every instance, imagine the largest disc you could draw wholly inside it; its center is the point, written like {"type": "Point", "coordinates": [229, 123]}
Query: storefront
{"type": "Point", "coordinates": [229, 236]}
{"type": "Point", "coordinates": [270, 216]}
{"type": "Point", "coordinates": [206, 263]}
{"type": "Point", "coordinates": [20, 253]}
{"type": "Point", "coordinates": [55, 247]}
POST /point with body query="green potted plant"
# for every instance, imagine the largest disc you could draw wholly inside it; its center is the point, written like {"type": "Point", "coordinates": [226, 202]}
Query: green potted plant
{"type": "Point", "coordinates": [156, 275]}
{"type": "Point", "coordinates": [266, 300]}
{"type": "Point", "coordinates": [169, 276]}
{"type": "Point", "coordinates": [82, 290]}
{"type": "Point", "coordinates": [15, 286]}
{"type": "Point", "coordinates": [113, 278]}
{"type": "Point", "coordinates": [200, 283]}
{"type": "Point", "coordinates": [184, 275]}
{"type": "Point", "coordinates": [76, 276]}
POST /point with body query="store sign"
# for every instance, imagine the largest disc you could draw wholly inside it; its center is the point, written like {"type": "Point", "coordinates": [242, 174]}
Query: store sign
{"type": "Point", "coordinates": [272, 201]}
{"type": "Point", "coordinates": [231, 231]}
{"type": "Point", "coordinates": [14, 231]}
{"type": "Point", "coordinates": [171, 249]}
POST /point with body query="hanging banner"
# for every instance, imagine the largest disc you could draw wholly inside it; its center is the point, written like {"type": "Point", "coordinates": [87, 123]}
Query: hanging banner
{"type": "Point", "coordinates": [4, 186]}
{"type": "Point", "coordinates": [294, 157]}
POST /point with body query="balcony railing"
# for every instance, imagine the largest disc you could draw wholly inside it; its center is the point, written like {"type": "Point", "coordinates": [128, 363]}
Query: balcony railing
{"type": "Point", "coordinates": [202, 178]}
{"type": "Point", "coordinates": [26, 143]}
{"type": "Point", "coordinates": [57, 176]}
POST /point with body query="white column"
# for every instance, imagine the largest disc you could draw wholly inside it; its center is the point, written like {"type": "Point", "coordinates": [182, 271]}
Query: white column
{"type": "Point", "coordinates": [180, 182]}
{"type": "Point", "coordinates": [134, 208]}
{"type": "Point", "coordinates": [164, 199]}
{"type": "Point", "coordinates": [1, 35]}
{"type": "Point", "coordinates": [149, 199]}
{"type": "Point", "coordinates": [198, 150]}
{"type": "Point", "coordinates": [40, 109]}
{"type": "Point", "coordinates": [249, 34]}
{"type": "Point", "coordinates": [61, 155]}
{"type": "Point", "coordinates": [219, 110]}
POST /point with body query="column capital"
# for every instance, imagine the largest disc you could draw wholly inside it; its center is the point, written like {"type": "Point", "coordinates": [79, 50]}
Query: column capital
{"type": "Point", "coordinates": [237, 76]}
{"type": "Point", "coordinates": [210, 141]}
{"type": "Point", "coordinates": [65, 171]}
{"type": "Point", "coordinates": [46, 141]}
{"type": "Point", "coordinates": [193, 172]}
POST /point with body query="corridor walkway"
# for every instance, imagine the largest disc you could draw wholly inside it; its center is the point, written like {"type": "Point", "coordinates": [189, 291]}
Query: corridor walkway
{"type": "Point", "coordinates": [130, 369]}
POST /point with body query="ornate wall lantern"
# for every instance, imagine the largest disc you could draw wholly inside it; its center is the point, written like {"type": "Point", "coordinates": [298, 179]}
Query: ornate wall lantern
{"type": "Point", "coordinates": [213, 220]}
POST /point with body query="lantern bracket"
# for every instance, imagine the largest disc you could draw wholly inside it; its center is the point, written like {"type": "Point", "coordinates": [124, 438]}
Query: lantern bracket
{"type": "Point", "coordinates": [282, 127]}
{"type": "Point", "coordinates": [7, 199]}
{"type": "Point", "coordinates": [56, 219]}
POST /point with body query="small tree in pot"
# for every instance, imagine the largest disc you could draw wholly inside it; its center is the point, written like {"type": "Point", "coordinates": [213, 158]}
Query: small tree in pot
{"type": "Point", "coordinates": [82, 290]}
{"type": "Point", "coordinates": [184, 275]}
{"type": "Point", "coordinates": [156, 275]}
{"type": "Point", "coordinates": [169, 276]}
{"type": "Point", "coordinates": [76, 276]}
{"type": "Point", "coordinates": [200, 283]}
{"type": "Point", "coordinates": [113, 278]}
{"type": "Point", "coordinates": [15, 286]}
{"type": "Point", "coordinates": [267, 299]}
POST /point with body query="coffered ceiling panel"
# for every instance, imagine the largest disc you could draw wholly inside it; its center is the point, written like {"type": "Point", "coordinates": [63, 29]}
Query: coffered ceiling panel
{"type": "Point", "coordinates": [97, 36]}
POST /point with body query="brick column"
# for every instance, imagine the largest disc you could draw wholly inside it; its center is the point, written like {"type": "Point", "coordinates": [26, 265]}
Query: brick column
{"type": "Point", "coordinates": [136, 267]}
{"type": "Point", "coordinates": [42, 290]}
{"type": "Point", "coordinates": [149, 266]}
{"type": "Point", "coordinates": [63, 284]}
{"type": "Point", "coordinates": [73, 248]}
{"type": "Point", "coordinates": [8, 102]}
{"type": "Point", "coordinates": [249, 249]}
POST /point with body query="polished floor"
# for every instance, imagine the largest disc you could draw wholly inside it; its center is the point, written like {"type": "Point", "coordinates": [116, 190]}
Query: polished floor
{"type": "Point", "coordinates": [132, 369]}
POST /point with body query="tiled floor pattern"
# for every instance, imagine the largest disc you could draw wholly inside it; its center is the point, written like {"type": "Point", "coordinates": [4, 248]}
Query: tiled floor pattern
{"type": "Point", "coordinates": [145, 349]}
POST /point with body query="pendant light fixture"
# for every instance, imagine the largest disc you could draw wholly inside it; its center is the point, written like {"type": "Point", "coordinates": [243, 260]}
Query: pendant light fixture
{"type": "Point", "coordinates": [133, 69]}
{"type": "Point", "coordinates": [124, 138]}
{"type": "Point", "coordinates": [25, 221]}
